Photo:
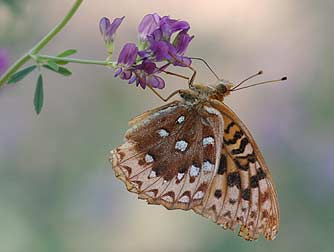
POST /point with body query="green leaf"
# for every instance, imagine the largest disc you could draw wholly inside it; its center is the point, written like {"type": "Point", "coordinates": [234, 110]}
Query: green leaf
{"type": "Point", "coordinates": [53, 65]}
{"type": "Point", "coordinates": [16, 77]}
{"type": "Point", "coordinates": [65, 54]}
{"type": "Point", "coordinates": [61, 70]}
{"type": "Point", "coordinates": [39, 95]}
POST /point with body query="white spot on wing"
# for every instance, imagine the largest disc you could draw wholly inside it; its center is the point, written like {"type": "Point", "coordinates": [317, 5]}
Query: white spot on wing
{"type": "Point", "coordinates": [163, 133]}
{"type": "Point", "coordinates": [148, 158]}
{"type": "Point", "coordinates": [248, 149]}
{"type": "Point", "coordinates": [199, 195]}
{"type": "Point", "coordinates": [165, 110]}
{"type": "Point", "coordinates": [180, 176]}
{"type": "Point", "coordinates": [212, 111]}
{"type": "Point", "coordinates": [181, 145]}
{"type": "Point", "coordinates": [152, 174]}
{"type": "Point", "coordinates": [194, 171]}
{"type": "Point", "coordinates": [184, 199]}
{"type": "Point", "coordinates": [150, 193]}
{"type": "Point", "coordinates": [167, 198]}
{"type": "Point", "coordinates": [208, 140]}
{"type": "Point", "coordinates": [180, 119]}
{"type": "Point", "coordinates": [207, 166]}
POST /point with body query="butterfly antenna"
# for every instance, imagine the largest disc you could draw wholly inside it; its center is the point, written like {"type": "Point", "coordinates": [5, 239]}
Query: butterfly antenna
{"type": "Point", "coordinates": [248, 78]}
{"type": "Point", "coordinates": [260, 83]}
{"type": "Point", "coordinates": [207, 65]}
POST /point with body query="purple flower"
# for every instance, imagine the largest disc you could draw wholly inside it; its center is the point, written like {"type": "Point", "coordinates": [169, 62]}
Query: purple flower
{"type": "Point", "coordinates": [138, 64]}
{"type": "Point", "coordinates": [181, 42]}
{"type": "Point", "coordinates": [146, 75]}
{"type": "Point", "coordinates": [169, 26]}
{"type": "Point", "coordinates": [128, 55]}
{"type": "Point", "coordinates": [126, 60]}
{"type": "Point", "coordinates": [159, 49]}
{"type": "Point", "coordinates": [108, 31]}
{"type": "Point", "coordinates": [148, 25]}
{"type": "Point", "coordinates": [155, 35]}
{"type": "Point", "coordinates": [4, 60]}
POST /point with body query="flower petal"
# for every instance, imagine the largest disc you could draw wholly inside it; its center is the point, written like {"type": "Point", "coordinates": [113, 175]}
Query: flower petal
{"type": "Point", "coordinates": [148, 66]}
{"type": "Point", "coordinates": [182, 41]}
{"type": "Point", "coordinates": [114, 26]}
{"type": "Point", "coordinates": [182, 61]}
{"type": "Point", "coordinates": [160, 49]}
{"type": "Point", "coordinates": [132, 79]}
{"type": "Point", "coordinates": [108, 30]}
{"type": "Point", "coordinates": [149, 24]}
{"type": "Point", "coordinates": [142, 82]}
{"type": "Point", "coordinates": [156, 82]}
{"type": "Point", "coordinates": [118, 71]}
{"type": "Point", "coordinates": [168, 26]}
{"type": "Point", "coordinates": [128, 54]}
{"type": "Point", "coordinates": [125, 75]}
{"type": "Point", "coordinates": [104, 25]}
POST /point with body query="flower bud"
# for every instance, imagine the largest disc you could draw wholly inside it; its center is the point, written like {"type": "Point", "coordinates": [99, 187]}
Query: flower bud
{"type": "Point", "coordinates": [108, 31]}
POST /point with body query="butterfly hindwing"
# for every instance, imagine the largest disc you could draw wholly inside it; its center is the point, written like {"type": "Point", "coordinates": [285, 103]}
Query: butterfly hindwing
{"type": "Point", "coordinates": [248, 174]}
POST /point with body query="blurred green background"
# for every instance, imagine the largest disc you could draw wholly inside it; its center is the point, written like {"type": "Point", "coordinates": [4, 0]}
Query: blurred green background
{"type": "Point", "coordinates": [57, 188]}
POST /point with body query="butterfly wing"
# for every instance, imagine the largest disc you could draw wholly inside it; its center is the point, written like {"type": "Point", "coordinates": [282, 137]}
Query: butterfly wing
{"type": "Point", "coordinates": [169, 155]}
{"type": "Point", "coordinates": [242, 191]}
{"type": "Point", "coordinates": [203, 158]}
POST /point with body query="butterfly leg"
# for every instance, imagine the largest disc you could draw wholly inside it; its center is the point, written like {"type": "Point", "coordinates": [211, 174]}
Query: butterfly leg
{"type": "Point", "coordinates": [178, 75]}
{"type": "Point", "coordinates": [192, 78]}
{"type": "Point", "coordinates": [168, 97]}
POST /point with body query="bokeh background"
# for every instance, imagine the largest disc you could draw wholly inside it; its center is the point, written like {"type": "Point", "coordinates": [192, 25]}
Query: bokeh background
{"type": "Point", "coordinates": [57, 188]}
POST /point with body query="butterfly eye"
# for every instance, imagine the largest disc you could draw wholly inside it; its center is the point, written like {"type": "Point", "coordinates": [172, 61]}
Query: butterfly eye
{"type": "Point", "coordinates": [221, 88]}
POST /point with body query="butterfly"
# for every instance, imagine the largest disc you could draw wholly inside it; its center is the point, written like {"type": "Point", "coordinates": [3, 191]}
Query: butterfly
{"type": "Point", "coordinates": [196, 154]}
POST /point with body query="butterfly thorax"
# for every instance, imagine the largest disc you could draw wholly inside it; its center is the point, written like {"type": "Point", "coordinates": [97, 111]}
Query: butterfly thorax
{"type": "Point", "coordinates": [199, 93]}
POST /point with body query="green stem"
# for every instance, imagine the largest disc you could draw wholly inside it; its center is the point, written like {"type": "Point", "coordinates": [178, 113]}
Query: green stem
{"type": "Point", "coordinates": [72, 60]}
{"type": "Point", "coordinates": [41, 44]}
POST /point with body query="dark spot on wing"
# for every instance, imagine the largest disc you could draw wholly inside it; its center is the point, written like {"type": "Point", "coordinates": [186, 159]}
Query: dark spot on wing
{"type": "Point", "coordinates": [233, 179]}
{"type": "Point", "coordinates": [240, 166]}
{"type": "Point", "coordinates": [254, 181]}
{"type": "Point", "coordinates": [236, 137]}
{"type": "Point", "coordinates": [260, 174]}
{"type": "Point", "coordinates": [218, 193]}
{"type": "Point", "coordinates": [241, 148]}
{"type": "Point", "coordinates": [222, 165]}
{"type": "Point", "coordinates": [227, 130]}
{"type": "Point", "coordinates": [232, 201]}
{"type": "Point", "coordinates": [246, 194]}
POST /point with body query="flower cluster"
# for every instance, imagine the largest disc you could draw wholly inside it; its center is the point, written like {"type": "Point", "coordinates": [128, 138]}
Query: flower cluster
{"type": "Point", "coordinates": [4, 60]}
{"type": "Point", "coordinates": [162, 42]}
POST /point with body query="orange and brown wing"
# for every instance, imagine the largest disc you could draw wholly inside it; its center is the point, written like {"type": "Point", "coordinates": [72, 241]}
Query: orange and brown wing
{"type": "Point", "coordinates": [170, 154]}
{"type": "Point", "coordinates": [201, 158]}
{"type": "Point", "coordinates": [242, 191]}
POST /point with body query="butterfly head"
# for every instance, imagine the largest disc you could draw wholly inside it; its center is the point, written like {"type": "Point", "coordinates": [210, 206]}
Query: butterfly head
{"type": "Point", "coordinates": [223, 89]}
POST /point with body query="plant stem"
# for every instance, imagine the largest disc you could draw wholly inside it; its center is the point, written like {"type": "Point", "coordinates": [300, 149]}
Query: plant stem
{"type": "Point", "coordinates": [80, 61]}
{"type": "Point", "coordinates": [41, 44]}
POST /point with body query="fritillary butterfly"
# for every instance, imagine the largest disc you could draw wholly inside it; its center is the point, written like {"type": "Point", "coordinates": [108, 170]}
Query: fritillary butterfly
{"type": "Point", "coordinates": [196, 154]}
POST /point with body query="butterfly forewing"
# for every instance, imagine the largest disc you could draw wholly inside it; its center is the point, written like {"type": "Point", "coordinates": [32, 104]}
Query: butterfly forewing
{"type": "Point", "coordinates": [199, 156]}
{"type": "Point", "coordinates": [170, 155]}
